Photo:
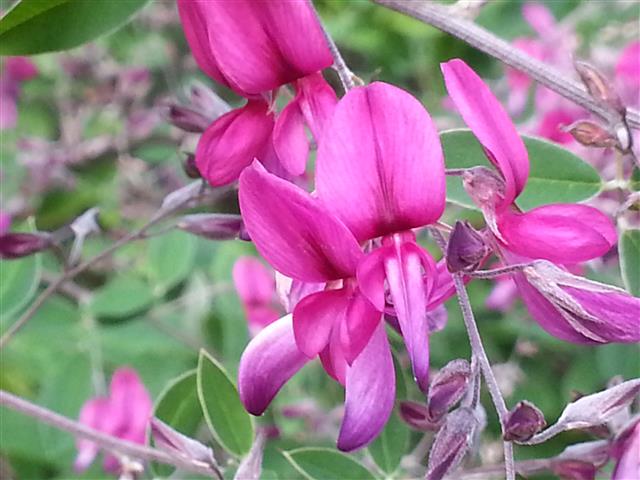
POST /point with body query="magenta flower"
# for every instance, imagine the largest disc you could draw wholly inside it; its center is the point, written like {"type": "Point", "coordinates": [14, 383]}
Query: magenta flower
{"type": "Point", "coordinates": [15, 71]}
{"type": "Point", "coordinates": [256, 288]}
{"type": "Point", "coordinates": [628, 73]}
{"type": "Point", "coordinates": [125, 414]}
{"type": "Point", "coordinates": [380, 173]}
{"type": "Point", "coordinates": [570, 308]}
{"type": "Point", "coordinates": [254, 48]}
{"type": "Point", "coordinates": [626, 452]}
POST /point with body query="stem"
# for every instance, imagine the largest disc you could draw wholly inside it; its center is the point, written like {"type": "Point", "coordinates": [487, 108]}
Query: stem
{"type": "Point", "coordinates": [496, 272]}
{"type": "Point", "coordinates": [345, 74]}
{"type": "Point", "coordinates": [108, 442]}
{"type": "Point", "coordinates": [476, 36]}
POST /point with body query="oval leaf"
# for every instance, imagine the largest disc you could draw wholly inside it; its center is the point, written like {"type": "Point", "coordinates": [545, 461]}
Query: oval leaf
{"type": "Point", "coordinates": [19, 281]}
{"type": "Point", "coordinates": [229, 422]}
{"type": "Point", "coordinates": [322, 463]}
{"type": "Point", "coordinates": [171, 258]}
{"type": "Point", "coordinates": [38, 26]}
{"type": "Point", "coordinates": [630, 260]}
{"type": "Point", "coordinates": [556, 175]}
{"type": "Point", "coordinates": [122, 297]}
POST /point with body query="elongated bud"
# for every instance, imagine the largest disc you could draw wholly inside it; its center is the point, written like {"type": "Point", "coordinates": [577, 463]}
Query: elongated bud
{"type": "Point", "coordinates": [206, 101]}
{"type": "Point", "coordinates": [214, 226]}
{"type": "Point", "coordinates": [452, 442]}
{"type": "Point", "coordinates": [190, 168]}
{"type": "Point", "coordinates": [18, 245]}
{"type": "Point", "coordinates": [590, 134]}
{"type": "Point", "coordinates": [416, 415]}
{"type": "Point", "coordinates": [182, 196]}
{"type": "Point", "coordinates": [251, 466]}
{"type": "Point", "coordinates": [185, 118]}
{"type": "Point", "coordinates": [466, 248]}
{"type": "Point", "coordinates": [523, 422]}
{"type": "Point", "coordinates": [172, 441]}
{"type": "Point", "coordinates": [447, 388]}
{"type": "Point", "coordinates": [581, 461]}
{"type": "Point", "coordinates": [599, 87]}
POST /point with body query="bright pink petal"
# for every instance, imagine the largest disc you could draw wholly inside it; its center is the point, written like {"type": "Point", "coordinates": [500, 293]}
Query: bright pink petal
{"type": "Point", "coordinates": [314, 317]}
{"type": "Point", "coordinates": [360, 322]}
{"type": "Point", "coordinates": [131, 404]}
{"type": "Point", "coordinates": [95, 413]}
{"type": "Point", "coordinates": [290, 139]}
{"type": "Point", "coordinates": [259, 316]}
{"type": "Point", "coordinates": [560, 233]}
{"type": "Point", "coordinates": [540, 18]}
{"type": "Point", "coordinates": [552, 122]}
{"type": "Point", "coordinates": [371, 277]}
{"type": "Point", "coordinates": [293, 231]}
{"type": "Point", "coordinates": [20, 68]}
{"type": "Point", "coordinates": [317, 101]}
{"type": "Point", "coordinates": [333, 358]}
{"type": "Point", "coordinates": [269, 360]}
{"type": "Point", "coordinates": [233, 141]}
{"type": "Point", "coordinates": [380, 165]}
{"type": "Point", "coordinates": [490, 123]}
{"type": "Point", "coordinates": [254, 282]}
{"type": "Point", "coordinates": [628, 65]}
{"type": "Point", "coordinates": [8, 110]}
{"type": "Point", "coordinates": [370, 393]}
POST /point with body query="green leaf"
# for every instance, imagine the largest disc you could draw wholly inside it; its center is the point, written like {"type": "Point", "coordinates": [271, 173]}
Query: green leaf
{"type": "Point", "coordinates": [388, 449]}
{"type": "Point", "coordinates": [556, 175]}
{"type": "Point", "coordinates": [324, 463]}
{"type": "Point", "coordinates": [630, 260]}
{"type": "Point", "coordinates": [228, 421]}
{"type": "Point", "coordinates": [178, 407]}
{"type": "Point", "coordinates": [171, 257]}
{"type": "Point", "coordinates": [38, 26]}
{"type": "Point", "coordinates": [122, 297]}
{"type": "Point", "coordinates": [19, 281]}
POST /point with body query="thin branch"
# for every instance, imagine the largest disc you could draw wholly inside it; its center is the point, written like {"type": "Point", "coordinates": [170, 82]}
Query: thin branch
{"type": "Point", "coordinates": [441, 18]}
{"type": "Point", "coordinates": [108, 442]}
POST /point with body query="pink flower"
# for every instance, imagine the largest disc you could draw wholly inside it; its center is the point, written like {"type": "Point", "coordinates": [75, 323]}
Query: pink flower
{"type": "Point", "coordinates": [567, 306]}
{"type": "Point", "coordinates": [256, 288]}
{"type": "Point", "coordinates": [626, 452]}
{"type": "Point", "coordinates": [380, 173]}
{"type": "Point", "coordinates": [16, 70]}
{"type": "Point", "coordinates": [125, 414]}
{"type": "Point", "coordinates": [628, 73]}
{"type": "Point", "coordinates": [254, 48]}
{"type": "Point", "coordinates": [5, 222]}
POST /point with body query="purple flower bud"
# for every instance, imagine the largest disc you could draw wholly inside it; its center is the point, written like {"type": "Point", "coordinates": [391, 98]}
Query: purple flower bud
{"type": "Point", "coordinates": [466, 248]}
{"type": "Point", "coordinates": [185, 118]}
{"type": "Point", "coordinates": [182, 196]}
{"type": "Point", "coordinates": [599, 87]}
{"type": "Point", "coordinates": [251, 466]}
{"type": "Point", "coordinates": [416, 415]}
{"type": "Point", "coordinates": [523, 422]}
{"type": "Point", "coordinates": [575, 470]}
{"type": "Point", "coordinates": [172, 441]}
{"type": "Point", "coordinates": [214, 226]}
{"type": "Point", "coordinates": [447, 388]}
{"type": "Point", "coordinates": [206, 101]}
{"type": "Point", "coordinates": [190, 168]}
{"type": "Point", "coordinates": [591, 134]}
{"type": "Point", "coordinates": [18, 245]}
{"type": "Point", "coordinates": [626, 451]}
{"type": "Point", "coordinates": [452, 442]}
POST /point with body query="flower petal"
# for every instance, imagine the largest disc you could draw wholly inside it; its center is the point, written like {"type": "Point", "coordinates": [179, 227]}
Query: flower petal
{"type": "Point", "coordinates": [95, 413]}
{"type": "Point", "coordinates": [317, 101]}
{"type": "Point", "coordinates": [371, 277]}
{"type": "Point", "coordinates": [131, 405]}
{"type": "Point", "coordinates": [380, 166]}
{"type": "Point", "coordinates": [290, 139]}
{"type": "Point", "coordinates": [490, 123]}
{"type": "Point", "coordinates": [560, 233]}
{"type": "Point", "coordinates": [539, 17]}
{"type": "Point", "coordinates": [254, 282]}
{"type": "Point", "coordinates": [370, 393]}
{"type": "Point", "coordinates": [333, 359]}
{"type": "Point", "coordinates": [360, 322]}
{"type": "Point", "coordinates": [314, 317]}
{"type": "Point", "coordinates": [232, 142]}
{"type": "Point", "coordinates": [297, 236]}
{"type": "Point", "coordinates": [269, 360]}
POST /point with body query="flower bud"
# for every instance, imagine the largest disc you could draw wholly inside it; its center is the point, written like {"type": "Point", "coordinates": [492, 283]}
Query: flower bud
{"type": "Point", "coordinates": [485, 186]}
{"type": "Point", "coordinates": [18, 245]}
{"type": "Point", "coordinates": [447, 388]}
{"type": "Point", "coordinates": [625, 450]}
{"type": "Point", "coordinates": [190, 168]}
{"type": "Point", "coordinates": [172, 441]}
{"type": "Point", "coordinates": [575, 470]}
{"type": "Point", "coordinates": [416, 416]}
{"type": "Point", "coordinates": [182, 196]}
{"type": "Point", "coordinates": [205, 100]}
{"type": "Point", "coordinates": [590, 134]}
{"type": "Point", "coordinates": [214, 226]}
{"type": "Point", "coordinates": [452, 442]}
{"type": "Point", "coordinates": [523, 422]}
{"type": "Point", "coordinates": [599, 87]}
{"type": "Point", "coordinates": [466, 248]}
{"type": "Point", "coordinates": [251, 466]}
{"type": "Point", "coordinates": [185, 118]}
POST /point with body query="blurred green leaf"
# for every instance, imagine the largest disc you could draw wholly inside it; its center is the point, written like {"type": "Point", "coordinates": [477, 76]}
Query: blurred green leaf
{"type": "Point", "coordinates": [228, 421]}
{"type": "Point", "coordinates": [324, 463]}
{"type": "Point", "coordinates": [38, 26]}
{"type": "Point", "coordinates": [630, 260]}
{"type": "Point", "coordinates": [556, 175]}
{"type": "Point", "coordinates": [122, 297]}
{"type": "Point", "coordinates": [171, 257]}
{"type": "Point", "coordinates": [19, 281]}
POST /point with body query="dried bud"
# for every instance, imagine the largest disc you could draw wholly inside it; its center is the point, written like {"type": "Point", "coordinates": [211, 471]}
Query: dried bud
{"type": "Point", "coordinates": [599, 87]}
{"type": "Point", "coordinates": [18, 245]}
{"type": "Point", "coordinates": [182, 196]}
{"type": "Point", "coordinates": [447, 388]}
{"type": "Point", "coordinates": [590, 134]}
{"type": "Point", "coordinates": [172, 441]}
{"type": "Point", "coordinates": [416, 415]}
{"type": "Point", "coordinates": [190, 168]}
{"type": "Point", "coordinates": [466, 248]}
{"type": "Point", "coordinates": [185, 118]}
{"type": "Point", "coordinates": [214, 226]}
{"type": "Point", "coordinates": [485, 186]}
{"type": "Point", "coordinates": [452, 442]}
{"type": "Point", "coordinates": [251, 466]}
{"type": "Point", "coordinates": [523, 422]}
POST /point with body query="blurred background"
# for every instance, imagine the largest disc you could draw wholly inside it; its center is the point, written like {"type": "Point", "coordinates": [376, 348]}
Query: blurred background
{"type": "Point", "coordinates": [90, 132]}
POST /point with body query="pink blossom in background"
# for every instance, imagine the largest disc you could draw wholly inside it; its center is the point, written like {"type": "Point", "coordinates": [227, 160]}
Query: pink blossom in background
{"type": "Point", "coordinates": [254, 48]}
{"type": "Point", "coordinates": [124, 413]}
{"type": "Point", "coordinates": [256, 287]}
{"type": "Point", "coordinates": [626, 452]}
{"type": "Point", "coordinates": [5, 222]}
{"type": "Point", "coordinates": [627, 72]}
{"type": "Point", "coordinates": [15, 71]}
{"type": "Point", "coordinates": [568, 307]}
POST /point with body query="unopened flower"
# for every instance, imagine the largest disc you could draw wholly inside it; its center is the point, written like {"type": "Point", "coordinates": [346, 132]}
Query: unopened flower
{"type": "Point", "coordinates": [523, 422]}
{"type": "Point", "coordinates": [447, 387]}
{"type": "Point", "coordinates": [18, 244]}
{"type": "Point", "coordinates": [417, 416]}
{"type": "Point", "coordinates": [466, 248]}
{"type": "Point", "coordinates": [125, 413]}
{"type": "Point", "coordinates": [591, 134]}
{"type": "Point", "coordinates": [599, 86]}
{"type": "Point", "coordinates": [214, 226]}
{"type": "Point", "coordinates": [626, 452]}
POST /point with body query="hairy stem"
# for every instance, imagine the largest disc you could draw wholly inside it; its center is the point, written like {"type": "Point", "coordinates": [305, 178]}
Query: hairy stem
{"type": "Point", "coordinates": [108, 442]}
{"type": "Point", "coordinates": [441, 18]}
